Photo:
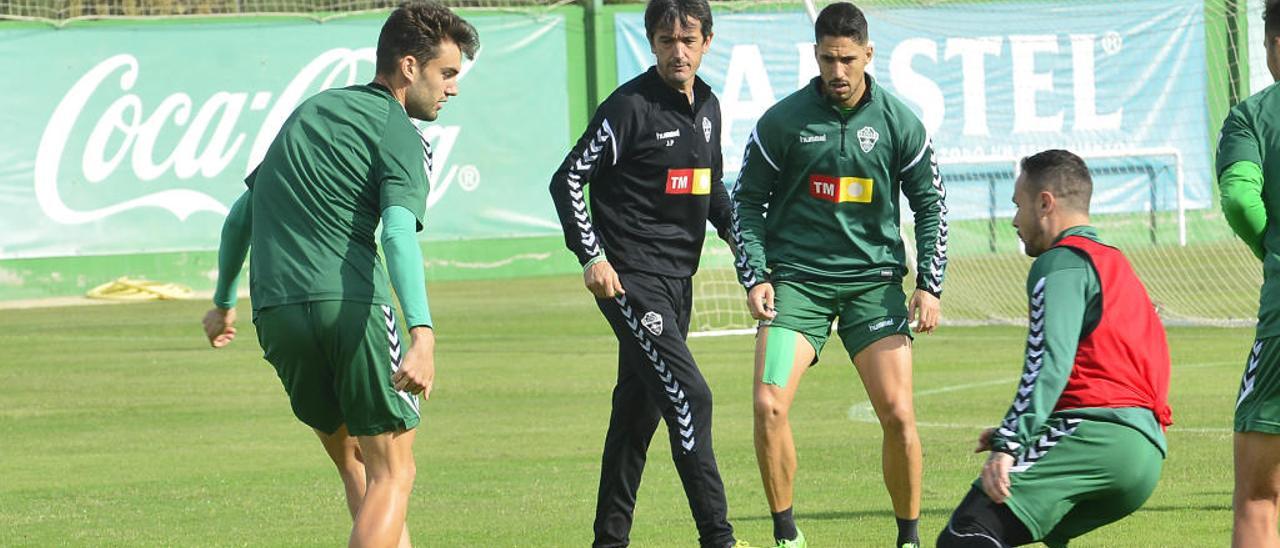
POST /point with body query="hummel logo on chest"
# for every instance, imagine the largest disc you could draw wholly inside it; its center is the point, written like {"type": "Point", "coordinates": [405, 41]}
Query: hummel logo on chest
{"type": "Point", "coordinates": [813, 138]}
{"type": "Point", "coordinates": [669, 134]}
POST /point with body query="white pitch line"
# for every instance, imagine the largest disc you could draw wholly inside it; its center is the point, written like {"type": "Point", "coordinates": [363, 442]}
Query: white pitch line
{"type": "Point", "coordinates": [863, 412]}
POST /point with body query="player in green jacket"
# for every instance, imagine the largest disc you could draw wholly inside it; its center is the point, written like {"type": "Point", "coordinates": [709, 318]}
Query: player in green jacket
{"type": "Point", "coordinates": [1249, 181]}
{"type": "Point", "coordinates": [829, 163]}
{"type": "Point", "coordinates": [344, 162]}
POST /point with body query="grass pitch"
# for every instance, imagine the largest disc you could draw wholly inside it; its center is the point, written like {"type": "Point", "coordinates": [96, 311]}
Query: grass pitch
{"type": "Point", "coordinates": [120, 427]}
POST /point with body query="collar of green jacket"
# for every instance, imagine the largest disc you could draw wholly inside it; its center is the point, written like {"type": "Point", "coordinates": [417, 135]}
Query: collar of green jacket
{"type": "Point", "coordinates": [1078, 230]}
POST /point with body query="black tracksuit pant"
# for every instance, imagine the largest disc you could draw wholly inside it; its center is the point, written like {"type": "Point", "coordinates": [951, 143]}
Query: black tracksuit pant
{"type": "Point", "coordinates": [657, 378]}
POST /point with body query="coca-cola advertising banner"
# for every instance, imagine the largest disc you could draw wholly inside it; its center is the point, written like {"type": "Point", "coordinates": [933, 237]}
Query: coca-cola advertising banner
{"type": "Point", "coordinates": [136, 138]}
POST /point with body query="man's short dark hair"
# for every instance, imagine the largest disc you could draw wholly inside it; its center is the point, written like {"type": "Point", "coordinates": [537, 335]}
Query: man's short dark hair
{"type": "Point", "coordinates": [417, 29]}
{"type": "Point", "coordinates": [661, 14]}
{"type": "Point", "coordinates": [1063, 174]}
{"type": "Point", "coordinates": [841, 20]}
{"type": "Point", "coordinates": [1271, 19]}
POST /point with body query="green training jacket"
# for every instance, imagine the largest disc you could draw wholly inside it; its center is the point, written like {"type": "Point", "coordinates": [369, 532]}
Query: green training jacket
{"type": "Point", "coordinates": [831, 182]}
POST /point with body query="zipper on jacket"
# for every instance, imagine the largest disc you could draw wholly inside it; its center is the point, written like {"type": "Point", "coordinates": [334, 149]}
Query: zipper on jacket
{"type": "Point", "coordinates": [844, 125]}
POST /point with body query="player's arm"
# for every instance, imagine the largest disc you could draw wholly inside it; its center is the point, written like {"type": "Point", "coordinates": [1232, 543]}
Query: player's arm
{"type": "Point", "coordinates": [926, 195]}
{"type": "Point", "coordinates": [1057, 302]}
{"type": "Point", "coordinates": [237, 230]}
{"type": "Point", "coordinates": [1240, 180]}
{"type": "Point", "coordinates": [599, 149]}
{"type": "Point", "coordinates": [1240, 185]}
{"type": "Point", "coordinates": [403, 189]}
{"type": "Point", "coordinates": [751, 195]}
{"type": "Point", "coordinates": [404, 265]}
{"type": "Point", "coordinates": [721, 212]}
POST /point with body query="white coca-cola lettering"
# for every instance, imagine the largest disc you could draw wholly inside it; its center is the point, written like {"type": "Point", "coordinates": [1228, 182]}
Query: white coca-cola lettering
{"type": "Point", "coordinates": [177, 107]}
{"type": "Point", "coordinates": [181, 202]}
{"type": "Point", "coordinates": [95, 164]}
{"type": "Point", "coordinates": [209, 142]}
{"type": "Point", "coordinates": [340, 60]}
{"type": "Point", "coordinates": [217, 154]}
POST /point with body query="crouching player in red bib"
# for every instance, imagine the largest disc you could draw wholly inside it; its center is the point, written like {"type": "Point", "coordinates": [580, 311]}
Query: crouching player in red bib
{"type": "Point", "coordinates": [1083, 442]}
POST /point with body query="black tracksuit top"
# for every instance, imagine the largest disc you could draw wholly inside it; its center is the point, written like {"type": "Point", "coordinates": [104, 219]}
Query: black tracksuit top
{"type": "Point", "coordinates": [655, 167]}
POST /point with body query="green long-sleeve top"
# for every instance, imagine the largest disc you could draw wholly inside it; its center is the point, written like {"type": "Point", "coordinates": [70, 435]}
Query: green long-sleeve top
{"type": "Point", "coordinates": [831, 181]}
{"type": "Point", "coordinates": [399, 243]}
{"type": "Point", "coordinates": [1240, 185]}
{"type": "Point", "coordinates": [1064, 299]}
{"type": "Point", "coordinates": [1248, 175]}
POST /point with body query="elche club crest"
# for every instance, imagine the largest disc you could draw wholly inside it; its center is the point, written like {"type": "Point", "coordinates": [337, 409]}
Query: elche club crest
{"type": "Point", "coordinates": [653, 321]}
{"type": "Point", "coordinates": [867, 137]}
{"type": "Point", "coordinates": [706, 129]}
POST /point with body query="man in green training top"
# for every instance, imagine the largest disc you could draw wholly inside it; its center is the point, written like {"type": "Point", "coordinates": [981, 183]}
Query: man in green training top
{"type": "Point", "coordinates": [345, 160]}
{"type": "Point", "coordinates": [829, 163]}
{"type": "Point", "coordinates": [1082, 444]}
{"type": "Point", "coordinates": [1249, 180]}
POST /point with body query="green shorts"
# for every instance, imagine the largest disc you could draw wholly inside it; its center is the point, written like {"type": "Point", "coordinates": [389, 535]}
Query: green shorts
{"type": "Point", "coordinates": [868, 312]}
{"type": "Point", "coordinates": [335, 359]}
{"type": "Point", "coordinates": [1081, 475]}
{"type": "Point", "coordinates": [1258, 403]}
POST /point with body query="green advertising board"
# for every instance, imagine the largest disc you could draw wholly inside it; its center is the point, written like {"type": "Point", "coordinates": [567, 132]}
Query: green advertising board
{"type": "Point", "coordinates": [127, 139]}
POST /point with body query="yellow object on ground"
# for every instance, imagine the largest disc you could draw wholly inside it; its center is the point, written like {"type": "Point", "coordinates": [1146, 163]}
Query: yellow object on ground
{"type": "Point", "coordinates": [127, 289]}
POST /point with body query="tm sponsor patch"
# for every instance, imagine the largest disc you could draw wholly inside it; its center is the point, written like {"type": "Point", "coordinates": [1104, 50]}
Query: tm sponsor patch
{"type": "Point", "coordinates": [695, 181]}
{"type": "Point", "coordinates": [841, 189]}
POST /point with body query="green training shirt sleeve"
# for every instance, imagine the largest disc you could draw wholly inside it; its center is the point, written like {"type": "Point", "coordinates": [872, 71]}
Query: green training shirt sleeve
{"type": "Point", "coordinates": [404, 264]}
{"type": "Point", "coordinates": [401, 167]}
{"type": "Point", "coordinates": [922, 185]}
{"type": "Point", "coordinates": [1240, 185]}
{"type": "Point", "coordinates": [236, 233]}
{"type": "Point", "coordinates": [751, 196]}
{"type": "Point", "coordinates": [1238, 142]}
{"type": "Point", "coordinates": [1057, 296]}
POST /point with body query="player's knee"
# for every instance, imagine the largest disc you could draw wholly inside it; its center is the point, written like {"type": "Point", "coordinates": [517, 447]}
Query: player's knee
{"type": "Point", "coordinates": [1260, 494]}
{"type": "Point", "coordinates": [399, 472]}
{"type": "Point", "coordinates": [898, 419]}
{"type": "Point", "coordinates": [404, 474]}
{"type": "Point", "coordinates": [966, 536]}
{"type": "Point", "coordinates": [769, 411]}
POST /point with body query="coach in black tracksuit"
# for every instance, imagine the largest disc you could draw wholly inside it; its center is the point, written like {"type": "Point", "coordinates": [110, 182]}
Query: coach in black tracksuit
{"type": "Point", "coordinates": [652, 156]}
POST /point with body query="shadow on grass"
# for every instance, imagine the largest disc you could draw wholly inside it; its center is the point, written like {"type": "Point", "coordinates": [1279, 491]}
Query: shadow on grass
{"type": "Point", "coordinates": [838, 516]}
{"type": "Point", "coordinates": [1202, 508]}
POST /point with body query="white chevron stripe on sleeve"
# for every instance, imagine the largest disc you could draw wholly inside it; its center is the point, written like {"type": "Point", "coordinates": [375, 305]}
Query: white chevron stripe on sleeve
{"type": "Point", "coordinates": [1034, 362]}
